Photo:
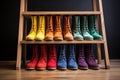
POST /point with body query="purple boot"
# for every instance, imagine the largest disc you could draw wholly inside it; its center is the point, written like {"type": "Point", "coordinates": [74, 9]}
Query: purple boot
{"type": "Point", "coordinates": [81, 57]}
{"type": "Point", "coordinates": [90, 59]}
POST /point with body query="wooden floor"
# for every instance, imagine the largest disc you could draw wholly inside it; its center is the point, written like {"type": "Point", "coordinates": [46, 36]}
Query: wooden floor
{"type": "Point", "coordinates": [8, 72]}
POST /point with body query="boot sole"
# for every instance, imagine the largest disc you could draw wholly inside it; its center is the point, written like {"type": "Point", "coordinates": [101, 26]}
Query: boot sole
{"type": "Point", "coordinates": [51, 68]}
{"type": "Point", "coordinates": [87, 39]}
{"type": "Point", "coordinates": [94, 68]}
{"type": "Point", "coordinates": [73, 68]}
{"type": "Point", "coordinates": [49, 39]}
{"type": "Point", "coordinates": [58, 39]}
{"type": "Point", "coordinates": [83, 68]}
{"type": "Point", "coordinates": [79, 39]}
{"type": "Point", "coordinates": [41, 69]}
{"type": "Point", "coordinates": [62, 69]}
{"type": "Point", "coordinates": [69, 39]}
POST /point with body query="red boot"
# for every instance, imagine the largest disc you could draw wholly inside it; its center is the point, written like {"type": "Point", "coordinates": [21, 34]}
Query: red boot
{"type": "Point", "coordinates": [52, 58]}
{"type": "Point", "coordinates": [42, 62]}
{"type": "Point", "coordinates": [32, 63]}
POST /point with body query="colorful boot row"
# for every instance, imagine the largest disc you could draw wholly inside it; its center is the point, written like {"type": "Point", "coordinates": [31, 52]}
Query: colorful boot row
{"type": "Point", "coordinates": [85, 58]}
{"type": "Point", "coordinates": [45, 58]}
{"type": "Point", "coordinates": [84, 28]}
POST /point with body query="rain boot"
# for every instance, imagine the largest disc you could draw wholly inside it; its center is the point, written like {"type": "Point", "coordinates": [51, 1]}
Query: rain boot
{"type": "Point", "coordinates": [58, 30]}
{"type": "Point", "coordinates": [49, 29]}
{"type": "Point", "coordinates": [62, 63]}
{"type": "Point", "coordinates": [52, 57]}
{"type": "Point", "coordinates": [67, 29]}
{"type": "Point", "coordinates": [42, 62]}
{"type": "Point", "coordinates": [84, 27]}
{"type": "Point", "coordinates": [32, 33]}
{"type": "Point", "coordinates": [41, 29]}
{"type": "Point", "coordinates": [33, 62]}
{"type": "Point", "coordinates": [72, 64]}
{"type": "Point", "coordinates": [81, 57]}
{"type": "Point", "coordinates": [92, 28]}
{"type": "Point", "coordinates": [89, 56]}
{"type": "Point", "coordinates": [77, 29]}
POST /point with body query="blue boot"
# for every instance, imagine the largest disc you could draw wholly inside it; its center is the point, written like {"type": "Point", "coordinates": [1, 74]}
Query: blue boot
{"type": "Point", "coordinates": [72, 64]}
{"type": "Point", "coordinates": [62, 64]}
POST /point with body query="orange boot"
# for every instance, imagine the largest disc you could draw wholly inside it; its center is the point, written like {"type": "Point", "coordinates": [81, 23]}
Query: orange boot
{"type": "Point", "coordinates": [42, 62]}
{"type": "Point", "coordinates": [67, 29]}
{"type": "Point", "coordinates": [49, 29]}
{"type": "Point", "coordinates": [58, 30]}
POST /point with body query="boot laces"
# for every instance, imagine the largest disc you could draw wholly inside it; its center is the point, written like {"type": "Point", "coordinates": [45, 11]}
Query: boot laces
{"type": "Point", "coordinates": [67, 29]}
{"type": "Point", "coordinates": [41, 28]}
{"type": "Point", "coordinates": [33, 28]}
{"type": "Point", "coordinates": [58, 28]}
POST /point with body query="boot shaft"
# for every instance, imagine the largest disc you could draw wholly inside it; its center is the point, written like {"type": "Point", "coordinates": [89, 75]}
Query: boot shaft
{"type": "Point", "coordinates": [84, 23]}
{"type": "Point", "coordinates": [57, 29]}
{"type": "Point", "coordinates": [35, 51]}
{"type": "Point", "coordinates": [67, 29]}
{"type": "Point", "coordinates": [77, 24]}
{"type": "Point", "coordinates": [52, 51]}
{"type": "Point", "coordinates": [91, 23]}
{"type": "Point", "coordinates": [89, 50]}
{"type": "Point", "coordinates": [49, 29]}
{"type": "Point", "coordinates": [33, 24]}
{"type": "Point", "coordinates": [41, 24]}
{"type": "Point", "coordinates": [49, 24]}
{"type": "Point", "coordinates": [62, 50]}
{"type": "Point", "coordinates": [72, 51]}
{"type": "Point", "coordinates": [67, 25]}
{"type": "Point", "coordinates": [43, 51]}
{"type": "Point", "coordinates": [80, 50]}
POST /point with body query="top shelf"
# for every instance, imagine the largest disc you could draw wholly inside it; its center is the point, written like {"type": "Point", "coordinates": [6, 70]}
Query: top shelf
{"type": "Point", "coordinates": [29, 13]}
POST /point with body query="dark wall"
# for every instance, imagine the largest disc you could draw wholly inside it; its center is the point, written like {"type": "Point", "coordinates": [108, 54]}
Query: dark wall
{"type": "Point", "coordinates": [9, 29]}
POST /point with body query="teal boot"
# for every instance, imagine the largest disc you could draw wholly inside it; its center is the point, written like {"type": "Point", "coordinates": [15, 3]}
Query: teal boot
{"type": "Point", "coordinates": [84, 27]}
{"type": "Point", "coordinates": [92, 28]}
{"type": "Point", "coordinates": [76, 29]}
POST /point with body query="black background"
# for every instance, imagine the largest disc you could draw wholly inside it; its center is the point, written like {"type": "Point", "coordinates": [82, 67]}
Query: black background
{"type": "Point", "coordinates": [10, 22]}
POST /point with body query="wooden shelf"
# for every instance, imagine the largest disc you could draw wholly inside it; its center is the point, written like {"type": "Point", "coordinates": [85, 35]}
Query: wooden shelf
{"type": "Point", "coordinates": [29, 13]}
{"type": "Point", "coordinates": [63, 42]}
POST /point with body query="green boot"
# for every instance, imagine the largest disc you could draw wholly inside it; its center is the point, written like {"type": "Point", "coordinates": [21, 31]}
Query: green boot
{"type": "Point", "coordinates": [76, 30]}
{"type": "Point", "coordinates": [84, 27]}
{"type": "Point", "coordinates": [92, 28]}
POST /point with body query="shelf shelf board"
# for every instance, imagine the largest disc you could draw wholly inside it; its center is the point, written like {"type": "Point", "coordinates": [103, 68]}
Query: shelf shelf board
{"type": "Point", "coordinates": [29, 13]}
{"type": "Point", "coordinates": [63, 42]}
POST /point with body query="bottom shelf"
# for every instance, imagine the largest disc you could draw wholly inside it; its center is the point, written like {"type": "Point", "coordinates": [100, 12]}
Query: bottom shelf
{"type": "Point", "coordinates": [63, 42]}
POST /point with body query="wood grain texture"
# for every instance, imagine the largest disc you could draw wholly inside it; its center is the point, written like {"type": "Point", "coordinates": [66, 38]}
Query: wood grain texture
{"type": "Point", "coordinates": [8, 72]}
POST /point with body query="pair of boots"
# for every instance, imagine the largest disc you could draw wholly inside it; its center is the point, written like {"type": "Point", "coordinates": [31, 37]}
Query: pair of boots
{"type": "Point", "coordinates": [65, 61]}
{"type": "Point", "coordinates": [37, 30]}
{"type": "Point", "coordinates": [47, 58]}
{"type": "Point", "coordinates": [55, 33]}
{"type": "Point", "coordinates": [86, 57]}
{"type": "Point", "coordinates": [85, 28]}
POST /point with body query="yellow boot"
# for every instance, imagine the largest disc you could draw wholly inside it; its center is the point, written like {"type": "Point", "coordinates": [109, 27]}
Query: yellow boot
{"type": "Point", "coordinates": [41, 29]}
{"type": "Point", "coordinates": [32, 33]}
